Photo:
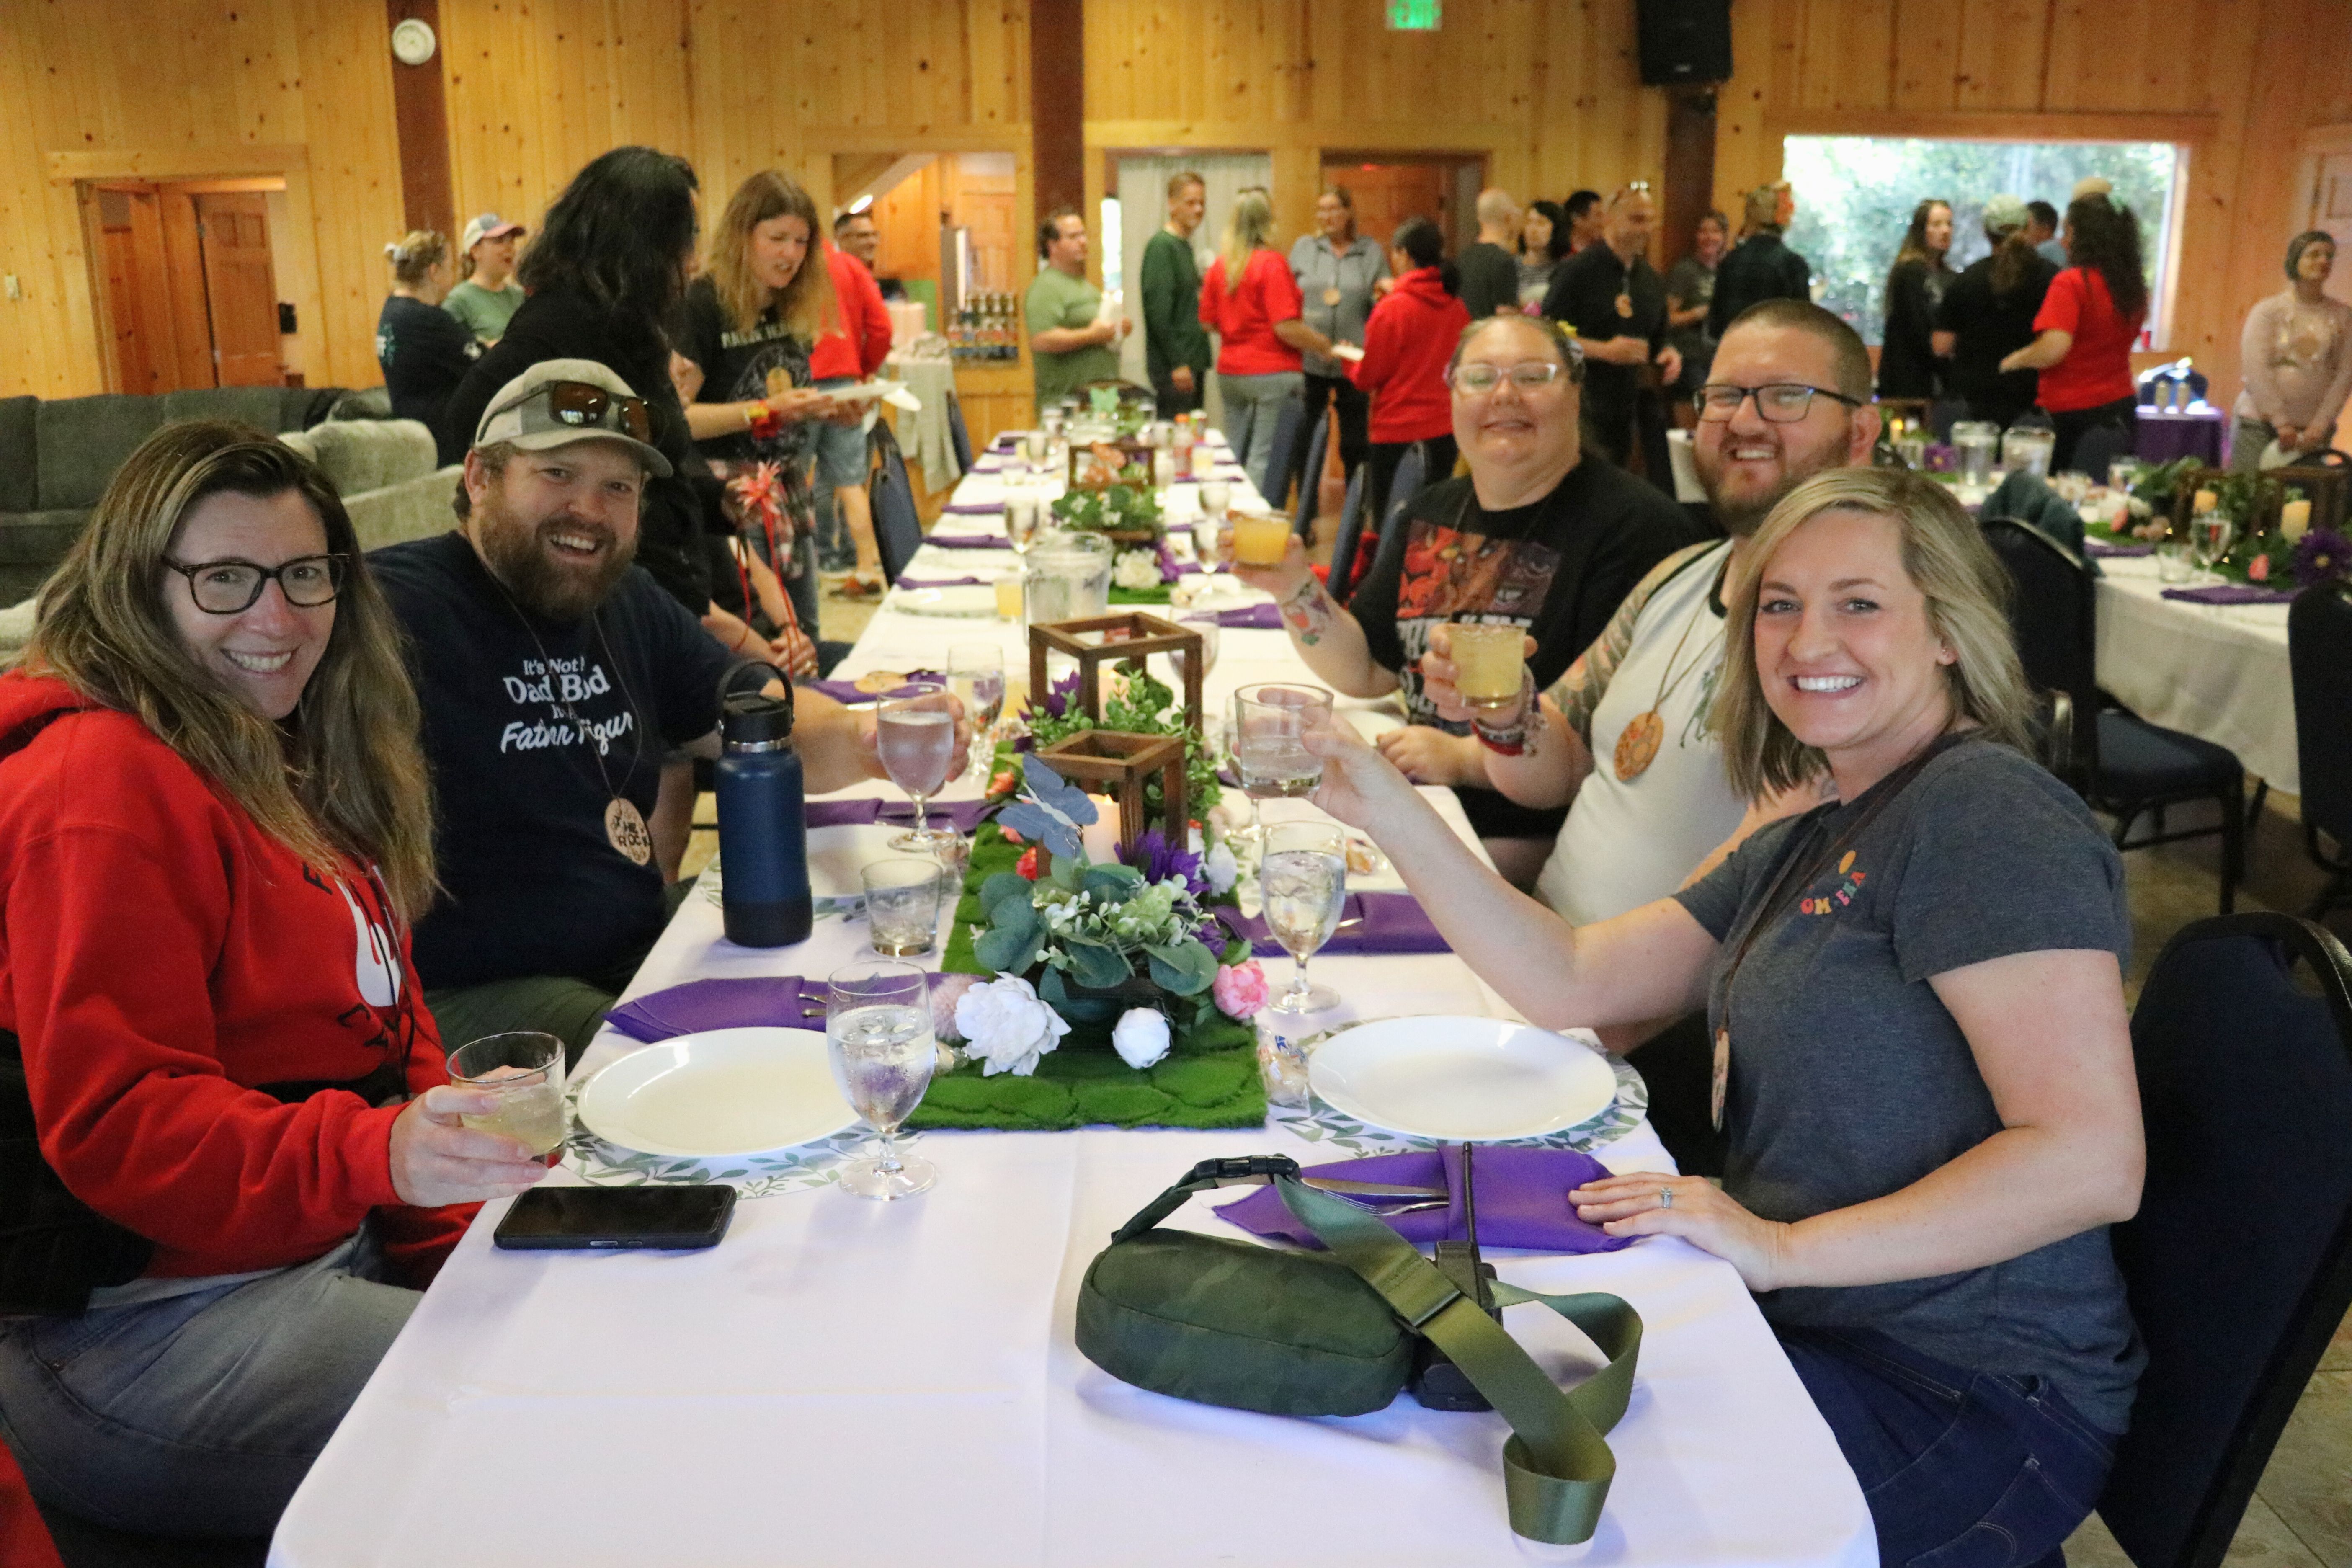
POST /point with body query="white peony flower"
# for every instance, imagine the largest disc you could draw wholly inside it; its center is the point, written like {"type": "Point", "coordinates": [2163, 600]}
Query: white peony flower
{"type": "Point", "coordinates": [1140, 1038]}
{"type": "Point", "coordinates": [1136, 569]}
{"type": "Point", "coordinates": [1219, 867]}
{"type": "Point", "coordinates": [1005, 1024]}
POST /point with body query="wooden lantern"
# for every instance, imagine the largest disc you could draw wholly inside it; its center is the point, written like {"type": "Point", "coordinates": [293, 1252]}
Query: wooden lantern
{"type": "Point", "coordinates": [1115, 757]}
{"type": "Point", "coordinates": [1131, 634]}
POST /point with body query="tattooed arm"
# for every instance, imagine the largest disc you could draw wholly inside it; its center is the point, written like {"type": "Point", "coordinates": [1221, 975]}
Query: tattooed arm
{"type": "Point", "coordinates": [1326, 636]}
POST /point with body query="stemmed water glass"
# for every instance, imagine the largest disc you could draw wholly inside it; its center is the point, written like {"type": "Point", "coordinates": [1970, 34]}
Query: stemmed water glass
{"type": "Point", "coordinates": [1205, 624]}
{"type": "Point", "coordinates": [877, 1034]}
{"type": "Point", "coordinates": [915, 735]}
{"type": "Point", "coordinates": [1302, 882]}
{"type": "Point", "coordinates": [976, 675]}
{"type": "Point", "coordinates": [2210, 534]}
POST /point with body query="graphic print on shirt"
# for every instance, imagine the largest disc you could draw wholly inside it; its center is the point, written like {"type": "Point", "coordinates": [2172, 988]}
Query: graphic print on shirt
{"type": "Point", "coordinates": [1845, 883]}
{"type": "Point", "coordinates": [1450, 575]}
{"type": "Point", "coordinates": [558, 692]}
{"type": "Point", "coordinates": [776, 360]}
{"type": "Point", "coordinates": [376, 971]}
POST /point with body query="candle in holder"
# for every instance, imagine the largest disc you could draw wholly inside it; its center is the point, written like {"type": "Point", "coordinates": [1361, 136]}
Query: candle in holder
{"type": "Point", "coordinates": [2295, 520]}
{"type": "Point", "coordinates": [1486, 663]}
{"type": "Point", "coordinates": [2206, 502]}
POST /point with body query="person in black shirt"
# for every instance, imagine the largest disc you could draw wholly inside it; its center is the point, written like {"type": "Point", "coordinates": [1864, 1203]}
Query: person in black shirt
{"type": "Point", "coordinates": [554, 676]}
{"type": "Point", "coordinates": [1759, 267]}
{"type": "Point", "coordinates": [1535, 536]}
{"type": "Point", "coordinates": [1914, 289]}
{"type": "Point", "coordinates": [424, 352]}
{"type": "Point", "coordinates": [1616, 302]}
{"type": "Point", "coordinates": [1987, 314]}
{"type": "Point", "coordinates": [1488, 272]}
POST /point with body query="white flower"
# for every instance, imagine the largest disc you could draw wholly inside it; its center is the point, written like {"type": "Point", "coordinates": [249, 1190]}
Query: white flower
{"type": "Point", "coordinates": [1137, 569]}
{"type": "Point", "coordinates": [2139, 507]}
{"type": "Point", "coordinates": [1219, 867]}
{"type": "Point", "coordinates": [1007, 1027]}
{"type": "Point", "coordinates": [1140, 1038]}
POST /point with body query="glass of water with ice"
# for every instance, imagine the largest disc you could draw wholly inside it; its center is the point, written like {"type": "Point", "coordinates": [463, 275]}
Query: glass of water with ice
{"type": "Point", "coordinates": [1270, 725]}
{"type": "Point", "coordinates": [877, 1032]}
{"type": "Point", "coordinates": [525, 1069]}
{"type": "Point", "coordinates": [1303, 882]}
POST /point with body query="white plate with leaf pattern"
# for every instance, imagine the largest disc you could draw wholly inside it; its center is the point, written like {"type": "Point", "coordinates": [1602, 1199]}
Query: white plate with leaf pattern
{"type": "Point", "coordinates": [1460, 1079]}
{"type": "Point", "coordinates": [718, 1093]}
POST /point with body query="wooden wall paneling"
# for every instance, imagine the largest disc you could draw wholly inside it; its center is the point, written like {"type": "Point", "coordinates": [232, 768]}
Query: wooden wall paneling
{"type": "Point", "coordinates": [1847, 57]}
{"type": "Point", "coordinates": [344, 198]}
{"type": "Point", "coordinates": [2002, 44]}
{"type": "Point", "coordinates": [1926, 36]}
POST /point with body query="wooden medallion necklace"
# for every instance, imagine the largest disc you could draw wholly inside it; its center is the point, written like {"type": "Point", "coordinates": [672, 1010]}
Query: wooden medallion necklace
{"type": "Point", "coordinates": [625, 824]}
{"type": "Point", "coordinates": [1638, 743]}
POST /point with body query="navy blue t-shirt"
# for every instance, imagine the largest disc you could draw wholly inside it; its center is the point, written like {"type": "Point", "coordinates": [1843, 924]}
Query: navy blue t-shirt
{"type": "Point", "coordinates": [531, 884]}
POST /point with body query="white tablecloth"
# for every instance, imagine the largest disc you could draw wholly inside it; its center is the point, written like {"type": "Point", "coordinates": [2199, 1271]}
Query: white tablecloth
{"type": "Point", "coordinates": [843, 1380]}
{"type": "Point", "coordinates": [2218, 672]}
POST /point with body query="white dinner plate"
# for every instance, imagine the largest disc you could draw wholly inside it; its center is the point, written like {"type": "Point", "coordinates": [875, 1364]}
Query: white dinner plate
{"type": "Point", "coordinates": [837, 855]}
{"type": "Point", "coordinates": [1463, 1079]}
{"type": "Point", "coordinates": [965, 601]}
{"type": "Point", "coordinates": [718, 1093]}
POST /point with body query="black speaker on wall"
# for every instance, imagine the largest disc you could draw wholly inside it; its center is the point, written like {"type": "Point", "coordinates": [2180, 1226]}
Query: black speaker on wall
{"type": "Point", "coordinates": [1684, 40]}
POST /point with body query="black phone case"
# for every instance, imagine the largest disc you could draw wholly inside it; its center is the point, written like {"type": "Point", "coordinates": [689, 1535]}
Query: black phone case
{"type": "Point", "coordinates": [615, 1240]}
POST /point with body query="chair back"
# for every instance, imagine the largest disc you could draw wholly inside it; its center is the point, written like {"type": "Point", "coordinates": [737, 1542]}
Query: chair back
{"type": "Point", "coordinates": [2319, 655]}
{"type": "Point", "coordinates": [2239, 1263]}
{"type": "Point", "coordinates": [1342, 580]}
{"type": "Point", "coordinates": [1310, 477]}
{"type": "Point", "coordinates": [959, 437]}
{"type": "Point", "coordinates": [898, 528]}
{"type": "Point", "coordinates": [2100, 446]}
{"type": "Point", "coordinates": [1401, 490]}
{"type": "Point", "coordinates": [1286, 438]}
{"type": "Point", "coordinates": [2052, 614]}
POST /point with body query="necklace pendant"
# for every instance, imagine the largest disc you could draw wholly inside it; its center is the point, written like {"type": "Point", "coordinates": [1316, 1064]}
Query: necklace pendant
{"type": "Point", "coordinates": [627, 830]}
{"type": "Point", "coordinates": [1637, 745]}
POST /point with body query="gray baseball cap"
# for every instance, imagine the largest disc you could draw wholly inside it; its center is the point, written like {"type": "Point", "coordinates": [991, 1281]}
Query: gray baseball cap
{"type": "Point", "coordinates": [560, 401]}
{"type": "Point", "coordinates": [2004, 213]}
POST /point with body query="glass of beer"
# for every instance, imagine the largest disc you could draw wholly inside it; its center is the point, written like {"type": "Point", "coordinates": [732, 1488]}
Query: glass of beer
{"type": "Point", "coordinates": [1486, 663]}
{"type": "Point", "coordinates": [525, 1069]}
{"type": "Point", "coordinates": [1261, 540]}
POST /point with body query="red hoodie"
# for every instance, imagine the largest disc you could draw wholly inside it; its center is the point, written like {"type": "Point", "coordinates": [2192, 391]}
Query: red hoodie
{"type": "Point", "coordinates": [160, 954]}
{"type": "Point", "coordinates": [858, 346]}
{"type": "Point", "coordinates": [1407, 341]}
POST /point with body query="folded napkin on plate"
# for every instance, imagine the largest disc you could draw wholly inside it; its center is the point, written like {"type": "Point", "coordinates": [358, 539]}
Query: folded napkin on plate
{"type": "Point", "coordinates": [771, 1001]}
{"type": "Point", "coordinates": [849, 690]}
{"type": "Point", "coordinates": [963, 815]}
{"type": "Point", "coordinates": [1369, 922]}
{"type": "Point", "coordinates": [969, 541]}
{"type": "Point", "coordinates": [909, 580]}
{"type": "Point", "coordinates": [974, 508]}
{"type": "Point", "coordinates": [1251, 617]}
{"type": "Point", "coordinates": [2228, 594]}
{"type": "Point", "coordinates": [2101, 547]}
{"type": "Point", "coordinates": [1522, 1199]}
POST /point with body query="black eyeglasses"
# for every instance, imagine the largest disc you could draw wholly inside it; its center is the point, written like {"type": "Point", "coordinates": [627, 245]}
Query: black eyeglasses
{"type": "Point", "coordinates": [231, 587]}
{"type": "Point", "coordinates": [1783, 403]}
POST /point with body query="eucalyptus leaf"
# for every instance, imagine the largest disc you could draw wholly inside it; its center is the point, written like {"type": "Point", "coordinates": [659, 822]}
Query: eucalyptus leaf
{"type": "Point", "coordinates": [1110, 884]}
{"type": "Point", "coordinates": [1001, 949]}
{"type": "Point", "coordinates": [1003, 886]}
{"type": "Point", "coordinates": [1050, 987]}
{"type": "Point", "coordinates": [1093, 964]}
{"type": "Point", "coordinates": [1185, 968]}
{"type": "Point", "coordinates": [1066, 872]}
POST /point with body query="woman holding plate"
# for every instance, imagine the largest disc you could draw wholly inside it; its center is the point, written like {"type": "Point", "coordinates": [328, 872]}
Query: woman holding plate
{"type": "Point", "coordinates": [1918, 1176]}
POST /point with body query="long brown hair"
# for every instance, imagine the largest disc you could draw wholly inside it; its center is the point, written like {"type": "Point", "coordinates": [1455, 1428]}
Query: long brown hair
{"type": "Point", "coordinates": [343, 776]}
{"type": "Point", "coordinates": [806, 305]}
{"type": "Point", "coordinates": [2106, 240]}
{"type": "Point", "coordinates": [1915, 244]}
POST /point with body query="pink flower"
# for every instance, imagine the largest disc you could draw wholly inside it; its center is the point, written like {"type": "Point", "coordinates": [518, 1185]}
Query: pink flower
{"type": "Point", "coordinates": [1240, 989]}
{"type": "Point", "coordinates": [1004, 784]}
{"type": "Point", "coordinates": [2258, 570]}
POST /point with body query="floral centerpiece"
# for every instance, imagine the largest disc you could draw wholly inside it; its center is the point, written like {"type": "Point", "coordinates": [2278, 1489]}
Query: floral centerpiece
{"type": "Point", "coordinates": [1135, 702]}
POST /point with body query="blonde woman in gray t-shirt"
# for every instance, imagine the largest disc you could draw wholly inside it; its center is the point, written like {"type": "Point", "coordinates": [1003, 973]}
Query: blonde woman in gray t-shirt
{"type": "Point", "coordinates": [1923, 1056]}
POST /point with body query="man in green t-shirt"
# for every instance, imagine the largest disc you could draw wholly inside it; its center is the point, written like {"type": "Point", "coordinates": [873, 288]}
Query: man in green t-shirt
{"type": "Point", "coordinates": [1175, 348]}
{"type": "Point", "coordinates": [1067, 346]}
{"type": "Point", "coordinates": [489, 296]}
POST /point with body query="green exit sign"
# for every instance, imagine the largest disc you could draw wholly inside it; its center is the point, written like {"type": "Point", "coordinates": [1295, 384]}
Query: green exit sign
{"type": "Point", "coordinates": [1415, 16]}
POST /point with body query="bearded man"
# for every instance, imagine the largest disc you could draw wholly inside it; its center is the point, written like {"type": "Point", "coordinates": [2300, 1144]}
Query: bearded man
{"type": "Point", "coordinates": [554, 676]}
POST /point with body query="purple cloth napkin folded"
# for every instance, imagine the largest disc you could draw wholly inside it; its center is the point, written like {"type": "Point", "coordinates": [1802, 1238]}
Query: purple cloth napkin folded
{"type": "Point", "coordinates": [1369, 922]}
{"type": "Point", "coordinates": [909, 580]}
{"type": "Point", "coordinates": [969, 541]}
{"type": "Point", "coordinates": [963, 815]}
{"type": "Point", "coordinates": [846, 692]}
{"type": "Point", "coordinates": [2100, 547]}
{"type": "Point", "coordinates": [974, 508]}
{"type": "Point", "coordinates": [1252, 617]}
{"type": "Point", "coordinates": [2228, 594]}
{"type": "Point", "coordinates": [785, 1002]}
{"type": "Point", "coordinates": [1522, 1199]}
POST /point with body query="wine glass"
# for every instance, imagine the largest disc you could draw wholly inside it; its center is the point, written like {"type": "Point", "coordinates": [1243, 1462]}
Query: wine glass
{"type": "Point", "coordinates": [915, 735]}
{"type": "Point", "coordinates": [2210, 534]}
{"type": "Point", "coordinates": [877, 1034]}
{"type": "Point", "coordinates": [1271, 722]}
{"type": "Point", "coordinates": [1205, 623]}
{"type": "Point", "coordinates": [976, 675]}
{"type": "Point", "coordinates": [1023, 515]}
{"type": "Point", "coordinates": [1303, 883]}
{"type": "Point", "coordinates": [1216, 495]}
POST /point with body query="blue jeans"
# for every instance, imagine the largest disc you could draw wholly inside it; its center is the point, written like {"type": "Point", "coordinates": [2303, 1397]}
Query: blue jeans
{"type": "Point", "coordinates": [1252, 408]}
{"type": "Point", "coordinates": [1961, 1469]}
{"type": "Point", "coordinates": [198, 1415]}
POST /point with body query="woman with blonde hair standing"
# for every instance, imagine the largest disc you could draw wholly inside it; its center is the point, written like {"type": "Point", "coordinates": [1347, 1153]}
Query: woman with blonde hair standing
{"type": "Point", "coordinates": [1923, 1065]}
{"type": "Point", "coordinates": [1250, 300]}
{"type": "Point", "coordinates": [215, 828]}
{"type": "Point", "coordinates": [2297, 354]}
{"type": "Point", "coordinates": [423, 351]}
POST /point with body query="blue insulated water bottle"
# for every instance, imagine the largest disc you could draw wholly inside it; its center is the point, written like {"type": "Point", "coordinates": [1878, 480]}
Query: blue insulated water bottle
{"type": "Point", "coordinates": [763, 880]}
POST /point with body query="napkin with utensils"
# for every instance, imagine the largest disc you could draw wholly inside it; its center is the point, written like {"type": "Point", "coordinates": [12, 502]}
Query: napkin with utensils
{"type": "Point", "coordinates": [2102, 547]}
{"type": "Point", "coordinates": [969, 541]}
{"type": "Point", "coordinates": [1369, 922]}
{"type": "Point", "coordinates": [848, 691]}
{"type": "Point", "coordinates": [1522, 1199]}
{"type": "Point", "coordinates": [785, 1002]}
{"type": "Point", "coordinates": [2229, 594]}
{"type": "Point", "coordinates": [974, 508]}
{"type": "Point", "coordinates": [963, 815]}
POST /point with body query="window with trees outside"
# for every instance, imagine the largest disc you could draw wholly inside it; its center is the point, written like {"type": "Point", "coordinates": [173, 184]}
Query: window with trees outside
{"type": "Point", "coordinates": [1855, 195]}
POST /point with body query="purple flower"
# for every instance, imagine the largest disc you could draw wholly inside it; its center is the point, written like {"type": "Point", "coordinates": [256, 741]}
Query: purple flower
{"type": "Point", "coordinates": [1057, 697]}
{"type": "Point", "coordinates": [1167, 569]}
{"type": "Point", "coordinates": [2320, 556]}
{"type": "Point", "coordinates": [1158, 859]}
{"type": "Point", "coordinates": [1941, 459]}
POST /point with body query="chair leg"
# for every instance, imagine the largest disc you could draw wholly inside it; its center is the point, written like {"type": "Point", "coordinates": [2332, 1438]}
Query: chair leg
{"type": "Point", "coordinates": [2254, 807]}
{"type": "Point", "coordinates": [2233, 842]}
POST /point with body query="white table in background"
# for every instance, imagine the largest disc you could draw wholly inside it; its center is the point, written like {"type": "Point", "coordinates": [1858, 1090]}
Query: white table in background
{"type": "Point", "coordinates": [2217, 671]}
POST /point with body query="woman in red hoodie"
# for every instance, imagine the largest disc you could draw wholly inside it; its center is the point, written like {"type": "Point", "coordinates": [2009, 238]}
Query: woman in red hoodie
{"type": "Point", "coordinates": [214, 829]}
{"type": "Point", "coordinates": [1407, 343]}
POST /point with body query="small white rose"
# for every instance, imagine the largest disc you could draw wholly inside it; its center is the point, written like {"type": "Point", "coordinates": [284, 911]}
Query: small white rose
{"type": "Point", "coordinates": [1007, 1026]}
{"type": "Point", "coordinates": [1137, 569]}
{"type": "Point", "coordinates": [1219, 867]}
{"type": "Point", "coordinates": [1140, 1037]}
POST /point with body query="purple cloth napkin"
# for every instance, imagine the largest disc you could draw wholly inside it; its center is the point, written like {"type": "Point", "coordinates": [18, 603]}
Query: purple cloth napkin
{"type": "Point", "coordinates": [846, 692]}
{"type": "Point", "coordinates": [974, 508]}
{"type": "Point", "coordinates": [1252, 617]}
{"type": "Point", "coordinates": [969, 541]}
{"type": "Point", "coordinates": [2228, 594]}
{"type": "Point", "coordinates": [909, 580]}
{"type": "Point", "coordinates": [1522, 1199]}
{"type": "Point", "coordinates": [963, 815]}
{"type": "Point", "coordinates": [2100, 547]}
{"type": "Point", "coordinates": [1369, 922]}
{"type": "Point", "coordinates": [785, 1002]}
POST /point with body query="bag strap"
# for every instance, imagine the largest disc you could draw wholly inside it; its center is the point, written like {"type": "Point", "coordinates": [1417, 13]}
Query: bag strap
{"type": "Point", "coordinates": [1557, 1465]}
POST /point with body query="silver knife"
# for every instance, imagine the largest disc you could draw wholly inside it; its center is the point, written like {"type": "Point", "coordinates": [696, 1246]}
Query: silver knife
{"type": "Point", "coordinates": [1369, 1189]}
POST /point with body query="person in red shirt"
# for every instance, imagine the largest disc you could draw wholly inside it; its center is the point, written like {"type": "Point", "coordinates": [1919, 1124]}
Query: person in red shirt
{"type": "Point", "coordinates": [245, 1156]}
{"type": "Point", "coordinates": [851, 351]}
{"type": "Point", "coordinates": [2088, 322]}
{"type": "Point", "coordinates": [1408, 342]}
{"type": "Point", "coordinates": [1251, 301]}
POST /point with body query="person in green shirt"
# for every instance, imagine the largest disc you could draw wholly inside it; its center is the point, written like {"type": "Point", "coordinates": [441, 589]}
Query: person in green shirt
{"type": "Point", "coordinates": [1175, 348]}
{"type": "Point", "coordinates": [486, 300]}
{"type": "Point", "coordinates": [1067, 346]}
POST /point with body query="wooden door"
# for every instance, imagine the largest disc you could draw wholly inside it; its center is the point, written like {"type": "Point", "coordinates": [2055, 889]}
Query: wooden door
{"type": "Point", "coordinates": [240, 289]}
{"type": "Point", "coordinates": [1388, 193]}
{"type": "Point", "coordinates": [138, 306]}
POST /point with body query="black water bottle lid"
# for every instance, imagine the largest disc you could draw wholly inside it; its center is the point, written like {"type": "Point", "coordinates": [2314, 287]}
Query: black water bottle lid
{"type": "Point", "coordinates": [754, 718]}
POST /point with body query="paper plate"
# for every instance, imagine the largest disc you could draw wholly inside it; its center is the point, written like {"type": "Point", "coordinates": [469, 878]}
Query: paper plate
{"type": "Point", "coordinates": [968, 601]}
{"type": "Point", "coordinates": [836, 855]}
{"type": "Point", "coordinates": [1463, 1079]}
{"type": "Point", "coordinates": [718, 1093]}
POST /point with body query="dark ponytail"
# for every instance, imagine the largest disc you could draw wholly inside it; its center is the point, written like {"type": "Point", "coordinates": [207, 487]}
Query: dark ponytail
{"type": "Point", "coordinates": [1424, 246]}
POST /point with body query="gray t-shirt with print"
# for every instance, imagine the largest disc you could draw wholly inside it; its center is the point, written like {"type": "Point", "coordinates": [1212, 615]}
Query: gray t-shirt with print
{"type": "Point", "coordinates": [1849, 1080]}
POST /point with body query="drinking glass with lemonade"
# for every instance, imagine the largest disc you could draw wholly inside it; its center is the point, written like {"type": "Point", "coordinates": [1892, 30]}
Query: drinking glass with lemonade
{"type": "Point", "coordinates": [525, 1069]}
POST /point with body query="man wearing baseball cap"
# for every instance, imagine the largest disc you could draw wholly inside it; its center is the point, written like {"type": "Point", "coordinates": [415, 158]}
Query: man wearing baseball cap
{"type": "Point", "coordinates": [1987, 313]}
{"type": "Point", "coordinates": [488, 297]}
{"type": "Point", "coordinates": [554, 676]}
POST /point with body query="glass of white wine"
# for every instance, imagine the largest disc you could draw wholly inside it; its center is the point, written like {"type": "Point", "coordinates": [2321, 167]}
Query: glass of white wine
{"type": "Point", "coordinates": [877, 1034]}
{"type": "Point", "coordinates": [1302, 880]}
{"type": "Point", "coordinates": [525, 1069]}
{"type": "Point", "coordinates": [1270, 723]}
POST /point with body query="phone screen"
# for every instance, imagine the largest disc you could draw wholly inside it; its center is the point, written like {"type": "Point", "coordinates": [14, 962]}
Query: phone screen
{"type": "Point", "coordinates": [618, 1217]}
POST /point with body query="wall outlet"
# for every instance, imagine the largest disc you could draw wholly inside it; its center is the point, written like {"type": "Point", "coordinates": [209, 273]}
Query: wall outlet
{"type": "Point", "coordinates": [14, 289]}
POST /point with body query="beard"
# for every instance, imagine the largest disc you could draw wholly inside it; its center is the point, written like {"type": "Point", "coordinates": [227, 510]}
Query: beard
{"type": "Point", "coordinates": [550, 583]}
{"type": "Point", "coordinates": [1743, 512]}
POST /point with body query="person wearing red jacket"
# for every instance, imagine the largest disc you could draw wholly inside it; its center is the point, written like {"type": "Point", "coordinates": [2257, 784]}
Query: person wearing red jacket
{"type": "Point", "coordinates": [1408, 342]}
{"type": "Point", "coordinates": [851, 351]}
{"type": "Point", "coordinates": [245, 1154]}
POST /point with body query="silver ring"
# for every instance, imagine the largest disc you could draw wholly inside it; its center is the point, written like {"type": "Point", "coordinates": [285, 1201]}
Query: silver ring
{"type": "Point", "coordinates": [1665, 1198]}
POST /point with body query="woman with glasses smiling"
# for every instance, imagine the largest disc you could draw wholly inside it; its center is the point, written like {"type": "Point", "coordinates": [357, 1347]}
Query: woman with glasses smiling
{"type": "Point", "coordinates": [1537, 536]}
{"type": "Point", "coordinates": [215, 830]}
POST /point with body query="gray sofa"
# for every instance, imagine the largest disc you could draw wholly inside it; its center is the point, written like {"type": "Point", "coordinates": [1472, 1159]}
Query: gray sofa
{"type": "Point", "coordinates": [384, 470]}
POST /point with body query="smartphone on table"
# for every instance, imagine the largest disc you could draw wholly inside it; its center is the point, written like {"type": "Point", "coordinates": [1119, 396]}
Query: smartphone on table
{"type": "Point", "coordinates": [666, 1218]}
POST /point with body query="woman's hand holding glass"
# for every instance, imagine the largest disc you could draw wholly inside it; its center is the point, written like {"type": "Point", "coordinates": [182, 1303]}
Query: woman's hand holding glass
{"type": "Point", "coordinates": [437, 1159]}
{"type": "Point", "coordinates": [1439, 673]}
{"type": "Point", "coordinates": [1281, 579]}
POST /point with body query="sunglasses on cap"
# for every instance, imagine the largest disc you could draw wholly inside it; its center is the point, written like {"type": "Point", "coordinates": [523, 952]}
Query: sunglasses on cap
{"type": "Point", "coordinates": [584, 405]}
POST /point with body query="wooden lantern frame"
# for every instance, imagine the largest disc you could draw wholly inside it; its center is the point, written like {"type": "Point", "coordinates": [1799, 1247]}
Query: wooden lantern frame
{"type": "Point", "coordinates": [1144, 634]}
{"type": "Point", "coordinates": [1118, 757]}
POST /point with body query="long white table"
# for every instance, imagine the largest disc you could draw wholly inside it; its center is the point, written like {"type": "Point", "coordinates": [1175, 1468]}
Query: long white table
{"type": "Point", "coordinates": [843, 1380]}
{"type": "Point", "coordinates": [2218, 672]}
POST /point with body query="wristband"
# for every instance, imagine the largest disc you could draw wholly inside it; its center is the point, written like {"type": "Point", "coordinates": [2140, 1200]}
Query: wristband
{"type": "Point", "coordinates": [1510, 742]}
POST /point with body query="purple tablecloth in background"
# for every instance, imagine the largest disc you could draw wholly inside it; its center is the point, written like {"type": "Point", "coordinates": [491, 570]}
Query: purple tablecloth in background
{"type": "Point", "coordinates": [2164, 436]}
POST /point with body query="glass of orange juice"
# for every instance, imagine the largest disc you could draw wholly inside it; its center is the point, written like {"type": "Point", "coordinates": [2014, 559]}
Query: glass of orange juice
{"type": "Point", "coordinates": [1261, 540]}
{"type": "Point", "coordinates": [1487, 664]}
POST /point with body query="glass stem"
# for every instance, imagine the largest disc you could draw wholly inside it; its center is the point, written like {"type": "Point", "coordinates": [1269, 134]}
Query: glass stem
{"type": "Point", "coordinates": [888, 1160]}
{"type": "Point", "coordinates": [1298, 986]}
{"type": "Point", "coordinates": [922, 814]}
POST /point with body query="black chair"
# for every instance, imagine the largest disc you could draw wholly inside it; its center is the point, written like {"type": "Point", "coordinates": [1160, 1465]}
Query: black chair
{"type": "Point", "coordinates": [1311, 477]}
{"type": "Point", "coordinates": [2100, 446]}
{"type": "Point", "coordinates": [1390, 555]}
{"type": "Point", "coordinates": [959, 437]}
{"type": "Point", "coordinates": [898, 528]}
{"type": "Point", "coordinates": [2319, 654]}
{"type": "Point", "coordinates": [2239, 1263]}
{"type": "Point", "coordinates": [1342, 578]}
{"type": "Point", "coordinates": [2118, 762]}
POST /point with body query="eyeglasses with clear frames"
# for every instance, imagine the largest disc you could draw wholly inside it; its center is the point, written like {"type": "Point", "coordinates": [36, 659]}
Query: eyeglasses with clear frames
{"type": "Point", "coordinates": [1526, 375]}
{"type": "Point", "coordinates": [1782, 403]}
{"type": "Point", "coordinates": [232, 587]}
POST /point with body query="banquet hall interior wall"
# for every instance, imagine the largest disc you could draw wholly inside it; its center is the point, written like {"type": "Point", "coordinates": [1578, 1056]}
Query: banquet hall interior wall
{"type": "Point", "coordinates": [1548, 94]}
